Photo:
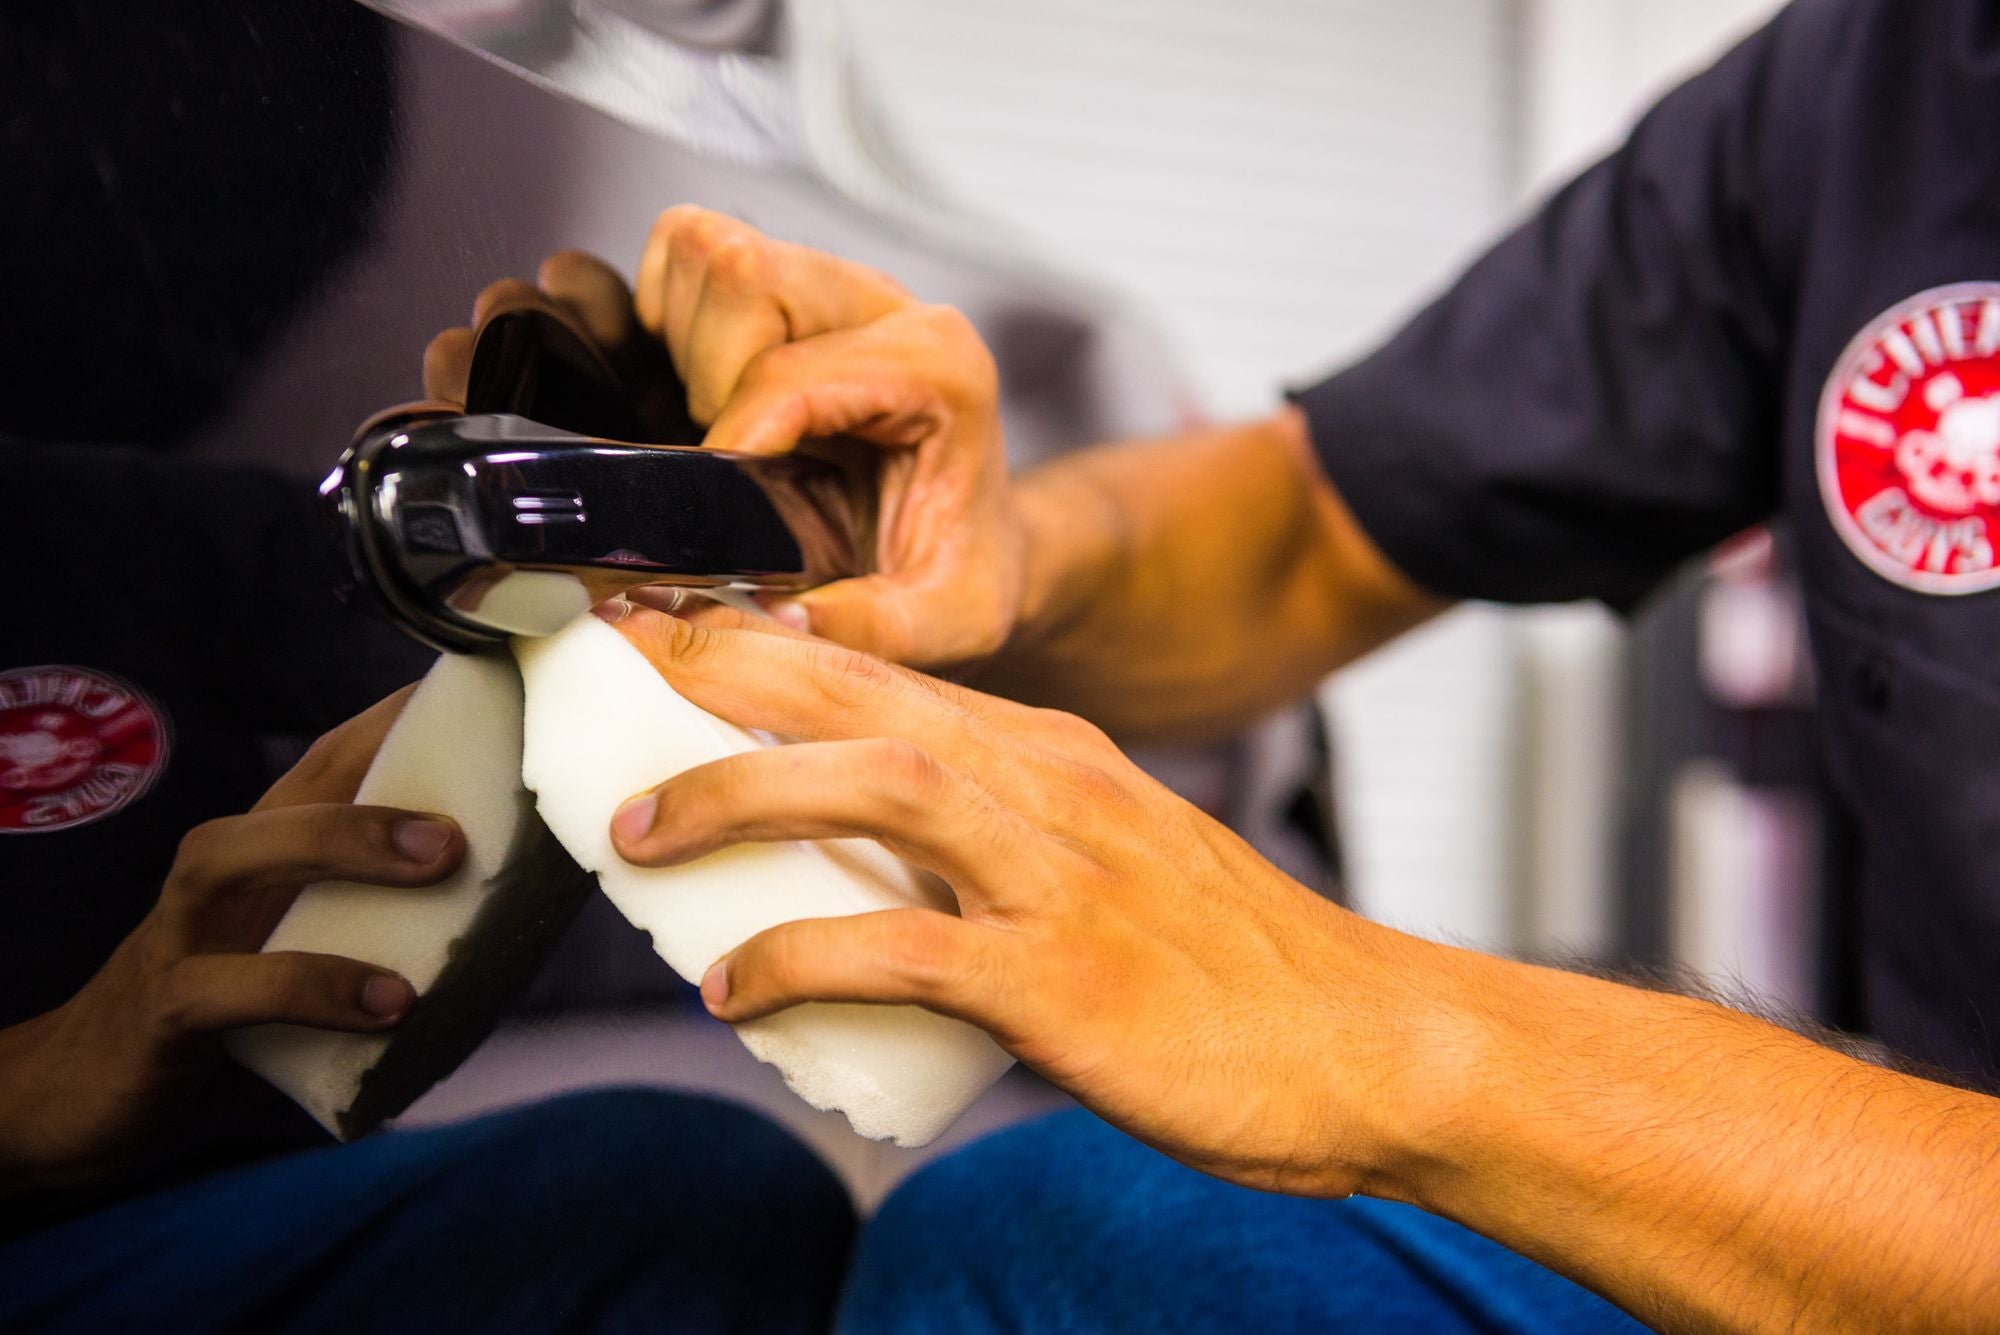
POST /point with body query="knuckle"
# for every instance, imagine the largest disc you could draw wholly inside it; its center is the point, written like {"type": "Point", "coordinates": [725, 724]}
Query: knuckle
{"type": "Point", "coordinates": [1076, 730]}
{"type": "Point", "coordinates": [846, 679]}
{"type": "Point", "coordinates": [895, 634]}
{"type": "Point", "coordinates": [569, 258]}
{"type": "Point", "coordinates": [690, 643]}
{"type": "Point", "coordinates": [695, 236]}
{"type": "Point", "coordinates": [1090, 788]}
{"type": "Point", "coordinates": [704, 401]}
{"type": "Point", "coordinates": [323, 756]}
{"type": "Point", "coordinates": [671, 220]}
{"type": "Point", "coordinates": [739, 262]}
{"type": "Point", "coordinates": [772, 369]}
{"type": "Point", "coordinates": [175, 1000]}
{"type": "Point", "coordinates": [195, 859]}
{"type": "Point", "coordinates": [918, 949]}
{"type": "Point", "coordinates": [987, 821]}
{"type": "Point", "coordinates": [947, 324]}
{"type": "Point", "coordinates": [502, 289]}
{"type": "Point", "coordinates": [957, 339]}
{"type": "Point", "coordinates": [671, 640]}
{"type": "Point", "coordinates": [910, 775]}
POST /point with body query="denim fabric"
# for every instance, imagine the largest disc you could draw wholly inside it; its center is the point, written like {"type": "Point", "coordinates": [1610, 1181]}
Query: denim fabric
{"type": "Point", "coordinates": [624, 1210]}
{"type": "Point", "coordinates": [1067, 1225]}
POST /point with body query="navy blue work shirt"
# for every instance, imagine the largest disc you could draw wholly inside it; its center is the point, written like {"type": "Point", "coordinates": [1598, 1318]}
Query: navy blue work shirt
{"type": "Point", "coordinates": [170, 636]}
{"type": "Point", "coordinates": [1780, 298]}
{"type": "Point", "coordinates": [171, 633]}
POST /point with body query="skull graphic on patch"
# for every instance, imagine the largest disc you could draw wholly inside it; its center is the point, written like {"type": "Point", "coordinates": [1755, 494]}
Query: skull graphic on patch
{"type": "Point", "coordinates": [75, 745]}
{"type": "Point", "coordinates": [1908, 447]}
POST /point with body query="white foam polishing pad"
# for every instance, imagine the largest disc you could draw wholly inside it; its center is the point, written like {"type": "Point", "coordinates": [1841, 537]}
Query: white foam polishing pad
{"type": "Point", "coordinates": [455, 749]}
{"type": "Point", "coordinates": [601, 724]}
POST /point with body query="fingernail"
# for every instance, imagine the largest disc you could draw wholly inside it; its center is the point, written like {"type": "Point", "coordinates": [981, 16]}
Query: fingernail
{"type": "Point", "coordinates": [715, 984]}
{"type": "Point", "coordinates": [422, 840]}
{"type": "Point", "coordinates": [660, 597]}
{"type": "Point", "coordinates": [612, 611]}
{"type": "Point", "coordinates": [790, 614]}
{"type": "Point", "coordinates": [631, 822]}
{"type": "Point", "coordinates": [386, 996]}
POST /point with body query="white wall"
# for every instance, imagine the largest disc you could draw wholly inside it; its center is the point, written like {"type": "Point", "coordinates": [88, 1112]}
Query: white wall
{"type": "Point", "coordinates": [1596, 64]}
{"type": "Point", "coordinates": [1275, 177]}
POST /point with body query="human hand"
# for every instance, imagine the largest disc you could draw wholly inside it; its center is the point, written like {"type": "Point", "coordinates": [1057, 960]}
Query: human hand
{"type": "Point", "coordinates": [777, 349]}
{"type": "Point", "coordinates": [92, 1087]}
{"type": "Point", "coordinates": [621, 371]}
{"type": "Point", "coordinates": [782, 347]}
{"type": "Point", "coordinates": [1112, 937]}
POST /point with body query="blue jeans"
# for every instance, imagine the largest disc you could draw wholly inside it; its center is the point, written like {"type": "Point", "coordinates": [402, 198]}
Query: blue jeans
{"type": "Point", "coordinates": [622, 1210]}
{"type": "Point", "coordinates": [1067, 1225]}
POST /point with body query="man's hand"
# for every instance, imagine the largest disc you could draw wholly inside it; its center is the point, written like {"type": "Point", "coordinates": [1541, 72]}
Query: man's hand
{"type": "Point", "coordinates": [1113, 937]}
{"type": "Point", "coordinates": [1171, 589]}
{"type": "Point", "coordinates": [1701, 1167]}
{"type": "Point", "coordinates": [589, 296]}
{"type": "Point", "coordinates": [89, 1088]}
{"type": "Point", "coordinates": [779, 347]}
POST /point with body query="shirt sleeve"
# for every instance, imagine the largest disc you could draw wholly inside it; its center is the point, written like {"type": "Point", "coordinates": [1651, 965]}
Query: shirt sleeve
{"type": "Point", "coordinates": [1597, 398]}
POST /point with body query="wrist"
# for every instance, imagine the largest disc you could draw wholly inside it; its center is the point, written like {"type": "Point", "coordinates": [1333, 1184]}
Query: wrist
{"type": "Point", "coordinates": [1074, 542]}
{"type": "Point", "coordinates": [1432, 1086]}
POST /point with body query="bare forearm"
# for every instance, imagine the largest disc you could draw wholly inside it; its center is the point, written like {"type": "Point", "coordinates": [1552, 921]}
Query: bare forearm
{"type": "Point", "coordinates": [1180, 587]}
{"type": "Point", "coordinates": [1710, 1171]}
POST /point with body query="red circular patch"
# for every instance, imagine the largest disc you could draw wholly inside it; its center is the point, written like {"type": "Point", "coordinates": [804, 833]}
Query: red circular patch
{"type": "Point", "coordinates": [75, 745]}
{"type": "Point", "coordinates": [1909, 442]}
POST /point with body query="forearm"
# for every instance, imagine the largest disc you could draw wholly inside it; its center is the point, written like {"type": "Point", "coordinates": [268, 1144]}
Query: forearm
{"type": "Point", "coordinates": [1181, 587]}
{"type": "Point", "coordinates": [1705, 1169]}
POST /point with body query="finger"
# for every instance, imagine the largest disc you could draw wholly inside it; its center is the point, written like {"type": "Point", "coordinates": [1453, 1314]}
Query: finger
{"type": "Point", "coordinates": [506, 294]}
{"type": "Point", "coordinates": [688, 245]}
{"type": "Point", "coordinates": [882, 788]}
{"type": "Point", "coordinates": [595, 291]}
{"type": "Point", "coordinates": [735, 319]}
{"type": "Point", "coordinates": [296, 845]}
{"type": "Point", "coordinates": [820, 293]}
{"type": "Point", "coordinates": [817, 291]}
{"type": "Point", "coordinates": [447, 365]}
{"type": "Point", "coordinates": [650, 290]}
{"type": "Point", "coordinates": [332, 768]}
{"type": "Point", "coordinates": [812, 292]}
{"type": "Point", "coordinates": [696, 608]}
{"type": "Point", "coordinates": [899, 957]}
{"type": "Point", "coordinates": [917, 618]}
{"type": "Point", "coordinates": [799, 687]}
{"type": "Point", "coordinates": [894, 382]}
{"type": "Point", "coordinates": [204, 994]}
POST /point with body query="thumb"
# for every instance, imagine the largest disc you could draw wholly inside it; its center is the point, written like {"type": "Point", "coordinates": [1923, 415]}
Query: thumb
{"type": "Point", "coordinates": [914, 618]}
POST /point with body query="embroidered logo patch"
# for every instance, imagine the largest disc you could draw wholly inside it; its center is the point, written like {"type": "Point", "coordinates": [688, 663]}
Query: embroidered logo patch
{"type": "Point", "coordinates": [75, 746]}
{"type": "Point", "coordinates": [1909, 442]}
